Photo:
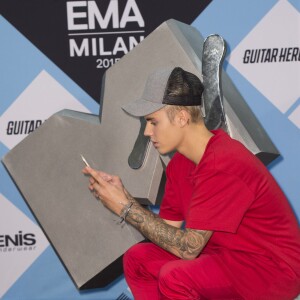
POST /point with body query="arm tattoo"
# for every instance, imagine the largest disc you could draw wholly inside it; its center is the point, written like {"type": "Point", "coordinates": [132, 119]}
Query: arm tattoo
{"type": "Point", "coordinates": [184, 243]}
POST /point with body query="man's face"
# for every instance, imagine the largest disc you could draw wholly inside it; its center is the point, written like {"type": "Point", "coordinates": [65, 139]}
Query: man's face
{"type": "Point", "coordinates": [164, 134]}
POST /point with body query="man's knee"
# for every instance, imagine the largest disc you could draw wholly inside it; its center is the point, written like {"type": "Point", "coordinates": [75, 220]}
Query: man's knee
{"type": "Point", "coordinates": [137, 256]}
{"type": "Point", "coordinates": [131, 256]}
{"type": "Point", "coordinates": [136, 252]}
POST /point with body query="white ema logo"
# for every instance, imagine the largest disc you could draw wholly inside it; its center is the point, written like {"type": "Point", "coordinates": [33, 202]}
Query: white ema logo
{"type": "Point", "coordinates": [96, 33]}
{"type": "Point", "coordinates": [269, 58]}
{"type": "Point", "coordinates": [41, 99]}
{"type": "Point", "coordinates": [21, 243]}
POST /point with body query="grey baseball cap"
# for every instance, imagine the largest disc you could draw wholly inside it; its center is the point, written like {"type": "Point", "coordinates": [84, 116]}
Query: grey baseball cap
{"type": "Point", "coordinates": [157, 93]}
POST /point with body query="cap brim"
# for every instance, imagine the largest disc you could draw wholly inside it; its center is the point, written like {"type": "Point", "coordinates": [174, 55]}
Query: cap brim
{"type": "Point", "coordinates": [141, 107]}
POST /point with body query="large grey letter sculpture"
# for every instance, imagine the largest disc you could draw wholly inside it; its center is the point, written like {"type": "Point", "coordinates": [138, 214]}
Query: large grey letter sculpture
{"type": "Point", "coordinates": [46, 165]}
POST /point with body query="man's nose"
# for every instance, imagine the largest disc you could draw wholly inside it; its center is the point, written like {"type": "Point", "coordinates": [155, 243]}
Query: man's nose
{"type": "Point", "coordinates": [147, 131]}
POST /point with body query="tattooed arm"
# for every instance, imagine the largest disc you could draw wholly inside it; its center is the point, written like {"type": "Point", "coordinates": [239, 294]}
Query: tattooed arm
{"type": "Point", "coordinates": [184, 243]}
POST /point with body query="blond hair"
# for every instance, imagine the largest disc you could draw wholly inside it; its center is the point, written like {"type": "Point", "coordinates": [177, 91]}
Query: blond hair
{"type": "Point", "coordinates": [194, 111]}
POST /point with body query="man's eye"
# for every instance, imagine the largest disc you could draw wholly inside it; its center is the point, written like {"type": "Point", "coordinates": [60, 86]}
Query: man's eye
{"type": "Point", "coordinates": [153, 123]}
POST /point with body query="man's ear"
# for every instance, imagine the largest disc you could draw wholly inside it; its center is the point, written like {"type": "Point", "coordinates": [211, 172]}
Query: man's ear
{"type": "Point", "coordinates": [183, 118]}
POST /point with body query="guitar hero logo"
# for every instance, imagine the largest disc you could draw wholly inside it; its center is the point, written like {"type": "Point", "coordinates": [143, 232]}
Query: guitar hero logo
{"type": "Point", "coordinates": [109, 32]}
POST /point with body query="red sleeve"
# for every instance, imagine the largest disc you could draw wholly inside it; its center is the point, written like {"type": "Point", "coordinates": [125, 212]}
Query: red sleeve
{"type": "Point", "coordinates": [170, 206]}
{"type": "Point", "coordinates": [219, 202]}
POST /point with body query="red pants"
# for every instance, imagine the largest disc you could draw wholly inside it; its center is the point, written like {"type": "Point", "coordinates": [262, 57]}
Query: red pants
{"type": "Point", "coordinates": [153, 273]}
